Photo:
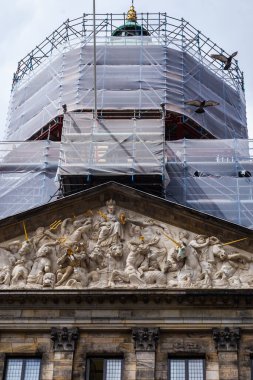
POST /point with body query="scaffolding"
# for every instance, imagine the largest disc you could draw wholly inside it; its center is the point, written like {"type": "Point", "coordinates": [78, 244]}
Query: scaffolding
{"type": "Point", "coordinates": [163, 29]}
{"type": "Point", "coordinates": [169, 67]}
{"type": "Point", "coordinates": [143, 84]}
{"type": "Point", "coordinates": [212, 176]}
{"type": "Point", "coordinates": [27, 175]}
{"type": "Point", "coordinates": [129, 149]}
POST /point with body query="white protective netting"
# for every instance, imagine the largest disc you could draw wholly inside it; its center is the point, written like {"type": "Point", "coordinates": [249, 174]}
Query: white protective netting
{"type": "Point", "coordinates": [27, 175]}
{"type": "Point", "coordinates": [111, 147]}
{"type": "Point", "coordinates": [204, 174]}
{"type": "Point", "coordinates": [136, 75]}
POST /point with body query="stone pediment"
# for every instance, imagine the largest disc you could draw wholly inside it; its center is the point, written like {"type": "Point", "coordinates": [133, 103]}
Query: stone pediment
{"type": "Point", "coordinates": [114, 237]}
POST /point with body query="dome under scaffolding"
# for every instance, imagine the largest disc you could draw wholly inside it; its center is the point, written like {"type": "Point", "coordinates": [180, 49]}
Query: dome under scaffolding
{"type": "Point", "coordinates": [163, 91]}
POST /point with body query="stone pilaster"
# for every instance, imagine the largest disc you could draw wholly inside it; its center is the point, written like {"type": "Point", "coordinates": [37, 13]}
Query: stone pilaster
{"type": "Point", "coordinates": [227, 344]}
{"type": "Point", "coordinates": [145, 343]}
{"type": "Point", "coordinates": [64, 344]}
{"type": "Point", "coordinates": [2, 361]}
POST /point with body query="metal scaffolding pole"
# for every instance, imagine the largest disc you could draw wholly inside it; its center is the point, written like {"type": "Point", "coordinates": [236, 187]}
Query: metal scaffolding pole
{"type": "Point", "coordinates": [95, 59]}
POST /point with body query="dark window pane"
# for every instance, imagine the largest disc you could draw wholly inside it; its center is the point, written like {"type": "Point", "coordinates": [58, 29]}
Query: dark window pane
{"type": "Point", "coordinates": [96, 369]}
{"type": "Point", "coordinates": [104, 369]}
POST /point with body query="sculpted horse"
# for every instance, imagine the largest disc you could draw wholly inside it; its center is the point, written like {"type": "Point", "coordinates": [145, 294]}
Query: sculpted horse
{"type": "Point", "coordinates": [191, 269]}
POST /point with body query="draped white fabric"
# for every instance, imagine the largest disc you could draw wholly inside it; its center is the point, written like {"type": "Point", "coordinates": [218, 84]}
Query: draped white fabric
{"type": "Point", "coordinates": [136, 75]}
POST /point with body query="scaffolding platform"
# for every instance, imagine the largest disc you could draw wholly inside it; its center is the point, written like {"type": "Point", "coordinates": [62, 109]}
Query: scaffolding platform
{"type": "Point", "coordinates": [170, 67]}
{"type": "Point", "coordinates": [27, 175]}
{"type": "Point", "coordinates": [212, 176]}
{"type": "Point", "coordinates": [126, 150]}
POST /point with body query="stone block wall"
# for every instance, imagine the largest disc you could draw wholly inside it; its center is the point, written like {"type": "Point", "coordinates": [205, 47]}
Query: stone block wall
{"type": "Point", "coordinates": [65, 329]}
{"type": "Point", "coordinates": [138, 365]}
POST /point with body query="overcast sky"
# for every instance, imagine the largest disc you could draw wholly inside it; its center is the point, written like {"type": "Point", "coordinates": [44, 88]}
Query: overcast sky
{"type": "Point", "coordinates": [25, 23]}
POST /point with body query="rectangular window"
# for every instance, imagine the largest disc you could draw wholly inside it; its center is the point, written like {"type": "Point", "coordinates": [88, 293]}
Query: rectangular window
{"type": "Point", "coordinates": [186, 369]}
{"type": "Point", "coordinates": [22, 369]}
{"type": "Point", "coordinates": [104, 369]}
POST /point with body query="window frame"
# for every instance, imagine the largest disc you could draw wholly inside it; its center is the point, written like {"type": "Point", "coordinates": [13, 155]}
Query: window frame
{"type": "Point", "coordinates": [187, 359]}
{"type": "Point", "coordinates": [24, 359]}
{"type": "Point", "coordinates": [105, 359]}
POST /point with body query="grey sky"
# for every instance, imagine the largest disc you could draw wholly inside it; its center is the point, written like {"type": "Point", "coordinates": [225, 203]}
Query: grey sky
{"type": "Point", "coordinates": [25, 23]}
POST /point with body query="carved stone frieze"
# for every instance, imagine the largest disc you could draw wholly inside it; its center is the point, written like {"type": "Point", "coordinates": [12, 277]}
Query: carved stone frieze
{"type": "Point", "coordinates": [113, 247]}
{"type": "Point", "coordinates": [186, 347]}
{"type": "Point", "coordinates": [64, 339]}
{"type": "Point", "coordinates": [145, 339]}
{"type": "Point", "coordinates": [226, 339]}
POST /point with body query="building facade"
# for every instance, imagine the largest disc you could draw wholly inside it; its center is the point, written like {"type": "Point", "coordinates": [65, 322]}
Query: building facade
{"type": "Point", "coordinates": [126, 222]}
{"type": "Point", "coordinates": [116, 291]}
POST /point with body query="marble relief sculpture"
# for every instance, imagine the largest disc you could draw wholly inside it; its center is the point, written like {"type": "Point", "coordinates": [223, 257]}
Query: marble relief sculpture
{"type": "Point", "coordinates": [115, 248]}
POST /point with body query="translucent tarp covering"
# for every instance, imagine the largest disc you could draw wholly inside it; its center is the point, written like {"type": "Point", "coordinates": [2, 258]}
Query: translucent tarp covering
{"type": "Point", "coordinates": [205, 175]}
{"type": "Point", "coordinates": [27, 175]}
{"type": "Point", "coordinates": [136, 75]}
{"type": "Point", "coordinates": [111, 147]}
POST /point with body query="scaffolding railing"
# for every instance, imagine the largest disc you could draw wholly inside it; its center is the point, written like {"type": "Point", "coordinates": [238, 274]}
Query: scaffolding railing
{"type": "Point", "coordinates": [163, 29]}
{"type": "Point", "coordinates": [111, 147]}
{"type": "Point", "coordinates": [27, 175]}
{"type": "Point", "coordinates": [212, 176]}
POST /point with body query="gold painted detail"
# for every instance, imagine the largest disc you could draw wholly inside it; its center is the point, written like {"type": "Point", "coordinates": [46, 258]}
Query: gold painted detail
{"type": "Point", "coordinates": [131, 14]}
{"type": "Point", "coordinates": [25, 231]}
{"type": "Point", "coordinates": [234, 241]}
{"type": "Point", "coordinates": [102, 214]}
{"type": "Point", "coordinates": [122, 218]}
{"type": "Point", "coordinates": [173, 241]}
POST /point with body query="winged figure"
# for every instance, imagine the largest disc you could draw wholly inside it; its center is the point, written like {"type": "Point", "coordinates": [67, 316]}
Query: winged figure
{"type": "Point", "coordinates": [201, 104]}
{"type": "Point", "coordinates": [226, 60]}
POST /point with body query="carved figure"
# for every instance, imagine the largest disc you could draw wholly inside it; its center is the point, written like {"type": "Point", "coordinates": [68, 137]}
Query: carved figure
{"type": "Point", "coordinates": [235, 263]}
{"type": "Point", "coordinates": [110, 230]}
{"type": "Point", "coordinates": [13, 247]}
{"type": "Point", "coordinates": [42, 236]}
{"type": "Point", "coordinates": [41, 265]}
{"type": "Point", "coordinates": [119, 249]}
{"type": "Point", "coordinates": [23, 265]}
{"type": "Point", "coordinates": [5, 275]}
{"type": "Point", "coordinates": [134, 263]}
{"type": "Point", "coordinates": [48, 280]}
{"type": "Point", "coordinates": [68, 261]}
{"type": "Point", "coordinates": [79, 279]}
{"type": "Point", "coordinates": [152, 268]}
{"type": "Point", "coordinates": [81, 227]}
{"type": "Point", "coordinates": [192, 255]}
{"type": "Point", "coordinates": [97, 258]}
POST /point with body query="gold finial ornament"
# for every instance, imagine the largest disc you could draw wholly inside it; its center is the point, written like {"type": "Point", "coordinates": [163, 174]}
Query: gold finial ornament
{"type": "Point", "coordinates": [131, 14]}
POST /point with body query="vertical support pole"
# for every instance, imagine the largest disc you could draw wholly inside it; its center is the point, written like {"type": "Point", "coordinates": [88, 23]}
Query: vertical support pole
{"type": "Point", "coordinates": [95, 59]}
{"type": "Point", "coordinates": [185, 173]}
{"type": "Point", "coordinates": [237, 190]}
{"type": "Point", "coordinates": [163, 159]}
{"type": "Point", "coordinates": [134, 131]}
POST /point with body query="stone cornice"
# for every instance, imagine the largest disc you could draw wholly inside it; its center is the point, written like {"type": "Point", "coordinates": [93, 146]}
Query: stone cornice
{"type": "Point", "coordinates": [185, 299]}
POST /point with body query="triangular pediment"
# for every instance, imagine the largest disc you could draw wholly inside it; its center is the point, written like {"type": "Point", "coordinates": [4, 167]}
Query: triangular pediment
{"type": "Point", "coordinates": [113, 236]}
